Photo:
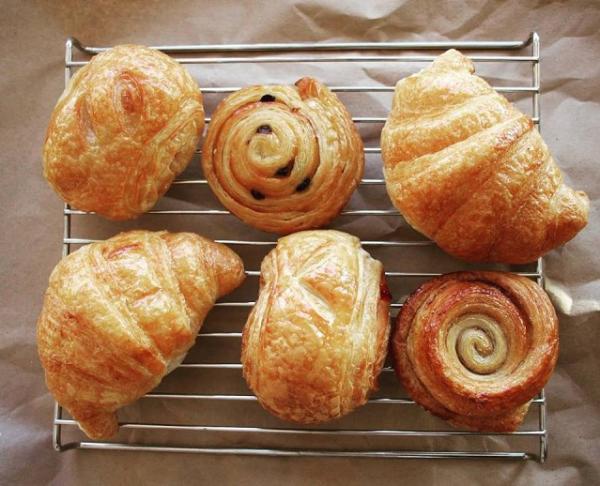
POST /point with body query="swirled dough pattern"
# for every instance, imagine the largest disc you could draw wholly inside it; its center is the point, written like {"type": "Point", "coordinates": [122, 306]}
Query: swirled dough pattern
{"type": "Point", "coordinates": [283, 158]}
{"type": "Point", "coordinates": [475, 347]}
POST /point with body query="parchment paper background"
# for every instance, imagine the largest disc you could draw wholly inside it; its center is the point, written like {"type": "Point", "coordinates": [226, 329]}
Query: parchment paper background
{"type": "Point", "coordinates": [31, 79]}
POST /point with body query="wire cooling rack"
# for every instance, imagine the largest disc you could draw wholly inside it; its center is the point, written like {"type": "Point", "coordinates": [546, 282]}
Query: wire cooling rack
{"type": "Point", "coordinates": [390, 425]}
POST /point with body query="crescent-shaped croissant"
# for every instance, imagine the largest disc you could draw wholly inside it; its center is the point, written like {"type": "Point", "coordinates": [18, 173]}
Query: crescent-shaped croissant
{"type": "Point", "coordinates": [120, 314]}
{"type": "Point", "coordinates": [127, 123]}
{"type": "Point", "coordinates": [475, 347]}
{"type": "Point", "coordinates": [315, 342]}
{"type": "Point", "coordinates": [471, 172]}
{"type": "Point", "coordinates": [283, 158]}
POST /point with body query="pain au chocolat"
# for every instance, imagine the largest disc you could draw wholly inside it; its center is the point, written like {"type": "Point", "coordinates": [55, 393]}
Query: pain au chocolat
{"type": "Point", "coordinates": [315, 342]}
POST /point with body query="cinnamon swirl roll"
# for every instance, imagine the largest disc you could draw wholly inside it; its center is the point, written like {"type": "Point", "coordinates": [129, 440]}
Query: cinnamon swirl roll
{"type": "Point", "coordinates": [283, 158]}
{"type": "Point", "coordinates": [475, 347]}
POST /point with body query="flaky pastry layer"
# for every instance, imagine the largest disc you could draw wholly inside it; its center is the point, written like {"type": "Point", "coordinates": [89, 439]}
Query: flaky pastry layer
{"type": "Point", "coordinates": [283, 158]}
{"type": "Point", "coordinates": [120, 314]}
{"type": "Point", "coordinates": [475, 347]}
{"type": "Point", "coordinates": [315, 342]}
{"type": "Point", "coordinates": [125, 126]}
{"type": "Point", "coordinates": [470, 171]}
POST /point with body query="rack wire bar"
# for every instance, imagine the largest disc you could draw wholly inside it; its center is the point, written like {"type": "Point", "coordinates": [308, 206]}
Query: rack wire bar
{"type": "Point", "coordinates": [337, 58]}
{"type": "Point", "coordinates": [377, 89]}
{"type": "Point", "coordinates": [85, 241]}
{"type": "Point", "coordinates": [304, 453]}
{"type": "Point", "coordinates": [328, 46]}
{"type": "Point", "coordinates": [267, 430]}
{"type": "Point", "coordinates": [311, 52]}
{"type": "Point", "coordinates": [393, 305]}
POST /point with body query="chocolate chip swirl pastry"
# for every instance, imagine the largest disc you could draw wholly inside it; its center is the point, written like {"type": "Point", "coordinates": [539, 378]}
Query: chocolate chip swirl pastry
{"type": "Point", "coordinates": [475, 347]}
{"type": "Point", "coordinates": [470, 171]}
{"type": "Point", "coordinates": [315, 342]}
{"type": "Point", "coordinates": [283, 158]}
{"type": "Point", "coordinates": [125, 126]}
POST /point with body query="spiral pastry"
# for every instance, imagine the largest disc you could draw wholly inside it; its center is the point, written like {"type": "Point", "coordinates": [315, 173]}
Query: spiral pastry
{"type": "Point", "coordinates": [475, 347]}
{"type": "Point", "coordinates": [283, 158]}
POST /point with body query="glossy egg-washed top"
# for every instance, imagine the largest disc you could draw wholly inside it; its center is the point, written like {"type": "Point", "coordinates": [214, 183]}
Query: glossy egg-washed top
{"type": "Point", "coordinates": [283, 158]}
{"type": "Point", "coordinates": [470, 171]}
{"type": "Point", "coordinates": [120, 314]}
{"type": "Point", "coordinates": [125, 126]}
{"type": "Point", "coordinates": [315, 342]}
{"type": "Point", "coordinates": [475, 347]}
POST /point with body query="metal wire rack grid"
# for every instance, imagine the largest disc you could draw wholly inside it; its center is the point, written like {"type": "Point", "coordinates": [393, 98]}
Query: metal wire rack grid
{"type": "Point", "coordinates": [316, 53]}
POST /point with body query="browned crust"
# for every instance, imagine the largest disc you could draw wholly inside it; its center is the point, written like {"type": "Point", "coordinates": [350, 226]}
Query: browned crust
{"type": "Point", "coordinates": [283, 158]}
{"type": "Point", "coordinates": [126, 125]}
{"type": "Point", "coordinates": [316, 340]}
{"type": "Point", "coordinates": [117, 314]}
{"type": "Point", "coordinates": [500, 407]}
{"type": "Point", "coordinates": [470, 171]}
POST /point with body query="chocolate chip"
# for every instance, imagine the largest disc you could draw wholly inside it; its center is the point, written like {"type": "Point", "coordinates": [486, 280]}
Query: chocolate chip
{"type": "Point", "coordinates": [285, 170]}
{"type": "Point", "coordinates": [268, 98]}
{"type": "Point", "coordinates": [303, 185]}
{"type": "Point", "coordinates": [264, 129]}
{"type": "Point", "coordinates": [257, 194]}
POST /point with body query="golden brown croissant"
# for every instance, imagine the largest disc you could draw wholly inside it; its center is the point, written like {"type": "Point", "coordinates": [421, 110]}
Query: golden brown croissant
{"type": "Point", "coordinates": [283, 158]}
{"type": "Point", "coordinates": [316, 340]}
{"type": "Point", "coordinates": [475, 347]}
{"type": "Point", "coordinates": [125, 126]}
{"type": "Point", "coordinates": [471, 172]}
{"type": "Point", "coordinates": [120, 314]}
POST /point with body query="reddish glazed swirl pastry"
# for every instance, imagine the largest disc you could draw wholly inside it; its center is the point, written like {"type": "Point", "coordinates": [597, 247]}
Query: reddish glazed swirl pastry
{"type": "Point", "coordinates": [316, 340]}
{"type": "Point", "coordinates": [475, 347]}
{"type": "Point", "coordinates": [283, 158]}
{"type": "Point", "coordinates": [125, 126]}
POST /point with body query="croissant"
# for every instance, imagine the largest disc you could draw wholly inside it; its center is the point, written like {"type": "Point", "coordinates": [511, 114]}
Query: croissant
{"type": "Point", "coordinates": [471, 172]}
{"type": "Point", "coordinates": [121, 314]}
{"type": "Point", "coordinates": [125, 126]}
{"type": "Point", "coordinates": [283, 158]}
{"type": "Point", "coordinates": [315, 342]}
{"type": "Point", "coordinates": [475, 347]}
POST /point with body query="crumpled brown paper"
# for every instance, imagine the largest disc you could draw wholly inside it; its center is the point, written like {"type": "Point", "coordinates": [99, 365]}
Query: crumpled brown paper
{"type": "Point", "coordinates": [32, 48]}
